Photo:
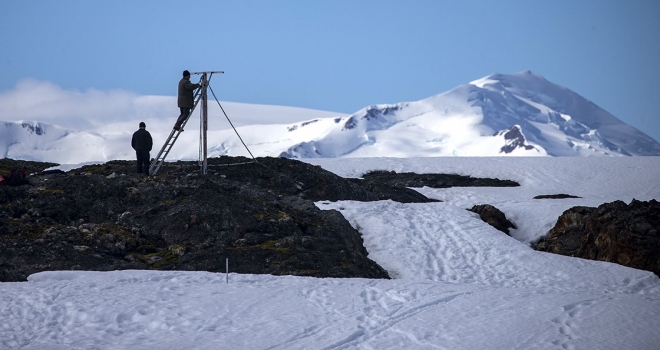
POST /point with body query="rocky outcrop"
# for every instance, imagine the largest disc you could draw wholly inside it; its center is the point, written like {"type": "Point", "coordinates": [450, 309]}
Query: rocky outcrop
{"type": "Point", "coordinates": [555, 196]}
{"type": "Point", "coordinates": [291, 177]}
{"type": "Point", "coordinates": [394, 192]}
{"type": "Point", "coordinates": [261, 216]}
{"type": "Point", "coordinates": [434, 180]}
{"type": "Point", "coordinates": [625, 234]}
{"type": "Point", "coordinates": [514, 139]}
{"type": "Point", "coordinates": [6, 166]}
{"type": "Point", "coordinates": [494, 217]}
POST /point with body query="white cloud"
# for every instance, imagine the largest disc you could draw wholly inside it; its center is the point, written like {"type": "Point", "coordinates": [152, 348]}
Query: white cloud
{"type": "Point", "coordinates": [118, 110]}
{"type": "Point", "coordinates": [46, 102]}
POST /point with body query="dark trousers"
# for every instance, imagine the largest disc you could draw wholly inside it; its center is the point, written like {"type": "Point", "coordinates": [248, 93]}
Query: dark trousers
{"type": "Point", "coordinates": [142, 162]}
{"type": "Point", "coordinates": [184, 114]}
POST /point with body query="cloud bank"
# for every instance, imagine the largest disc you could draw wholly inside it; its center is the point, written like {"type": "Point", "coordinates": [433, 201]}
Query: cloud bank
{"type": "Point", "coordinates": [46, 102]}
{"type": "Point", "coordinates": [118, 110]}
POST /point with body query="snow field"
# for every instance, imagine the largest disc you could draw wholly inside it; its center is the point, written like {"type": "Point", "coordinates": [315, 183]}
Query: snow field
{"type": "Point", "coordinates": [174, 310]}
{"type": "Point", "coordinates": [596, 180]}
{"type": "Point", "coordinates": [441, 242]}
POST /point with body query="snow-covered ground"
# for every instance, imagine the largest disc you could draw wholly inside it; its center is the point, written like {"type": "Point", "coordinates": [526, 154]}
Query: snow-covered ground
{"type": "Point", "coordinates": [458, 283]}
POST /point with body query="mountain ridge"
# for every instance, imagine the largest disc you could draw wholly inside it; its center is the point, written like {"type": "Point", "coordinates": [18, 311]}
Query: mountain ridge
{"type": "Point", "coordinates": [552, 120]}
{"type": "Point", "coordinates": [520, 114]}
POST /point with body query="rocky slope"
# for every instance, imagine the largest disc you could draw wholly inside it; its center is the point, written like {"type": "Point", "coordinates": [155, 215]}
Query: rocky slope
{"type": "Point", "coordinates": [627, 234]}
{"type": "Point", "coordinates": [259, 215]}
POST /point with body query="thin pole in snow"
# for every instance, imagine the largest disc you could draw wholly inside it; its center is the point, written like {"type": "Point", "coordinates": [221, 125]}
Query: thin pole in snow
{"type": "Point", "coordinates": [227, 268]}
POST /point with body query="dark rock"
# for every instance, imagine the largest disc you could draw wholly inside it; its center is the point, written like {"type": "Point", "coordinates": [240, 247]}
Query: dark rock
{"type": "Point", "coordinates": [514, 139]}
{"type": "Point", "coordinates": [566, 236]}
{"type": "Point", "coordinates": [15, 177]}
{"type": "Point", "coordinates": [555, 196]}
{"type": "Point", "coordinates": [625, 234]}
{"type": "Point", "coordinates": [6, 165]}
{"type": "Point", "coordinates": [53, 171]}
{"type": "Point", "coordinates": [494, 217]}
{"type": "Point", "coordinates": [281, 176]}
{"type": "Point", "coordinates": [434, 180]}
{"type": "Point", "coordinates": [261, 216]}
{"type": "Point", "coordinates": [396, 193]}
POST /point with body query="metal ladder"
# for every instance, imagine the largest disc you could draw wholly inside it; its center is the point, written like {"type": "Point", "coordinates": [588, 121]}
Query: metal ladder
{"type": "Point", "coordinates": [174, 135]}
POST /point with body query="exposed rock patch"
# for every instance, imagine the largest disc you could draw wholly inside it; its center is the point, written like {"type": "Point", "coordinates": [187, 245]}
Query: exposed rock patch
{"type": "Point", "coordinates": [555, 196]}
{"type": "Point", "coordinates": [625, 234]}
{"type": "Point", "coordinates": [494, 217]}
{"type": "Point", "coordinates": [394, 192]}
{"type": "Point", "coordinates": [6, 165]}
{"type": "Point", "coordinates": [263, 219]}
{"type": "Point", "coordinates": [434, 180]}
{"type": "Point", "coordinates": [291, 177]}
{"type": "Point", "coordinates": [514, 139]}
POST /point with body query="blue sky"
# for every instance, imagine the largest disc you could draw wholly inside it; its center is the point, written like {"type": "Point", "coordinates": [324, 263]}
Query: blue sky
{"type": "Point", "coordinates": [339, 55]}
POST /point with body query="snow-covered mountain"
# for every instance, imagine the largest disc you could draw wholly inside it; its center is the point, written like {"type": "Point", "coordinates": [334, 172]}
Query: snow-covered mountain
{"type": "Point", "coordinates": [52, 143]}
{"type": "Point", "coordinates": [519, 114]}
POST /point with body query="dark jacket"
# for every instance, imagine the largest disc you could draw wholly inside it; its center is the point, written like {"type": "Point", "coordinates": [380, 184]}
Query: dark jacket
{"type": "Point", "coordinates": [186, 88]}
{"type": "Point", "coordinates": [142, 140]}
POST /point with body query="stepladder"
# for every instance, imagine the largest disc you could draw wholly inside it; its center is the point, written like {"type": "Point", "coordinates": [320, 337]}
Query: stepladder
{"type": "Point", "coordinates": [157, 162]}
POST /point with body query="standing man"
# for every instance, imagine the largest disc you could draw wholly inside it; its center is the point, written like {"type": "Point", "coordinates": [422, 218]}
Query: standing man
{"type": "Point", "coordinates": [142, 144]}
{"type": "Point", "coordinates": [186, 99]}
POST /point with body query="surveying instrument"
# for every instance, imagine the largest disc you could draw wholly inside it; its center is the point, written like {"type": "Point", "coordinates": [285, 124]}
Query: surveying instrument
{"type": "Point", "coordinates": [200, 95]}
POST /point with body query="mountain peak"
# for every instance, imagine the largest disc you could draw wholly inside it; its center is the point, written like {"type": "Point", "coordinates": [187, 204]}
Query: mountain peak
{"type": "Point", "coordinates": [525, 77]}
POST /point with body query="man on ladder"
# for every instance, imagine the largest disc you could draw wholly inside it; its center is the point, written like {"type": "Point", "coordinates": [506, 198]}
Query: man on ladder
{"type": "Point", "coordinates": [186, 100]}
{"type": "Point", "coordinates": [189, 96]}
